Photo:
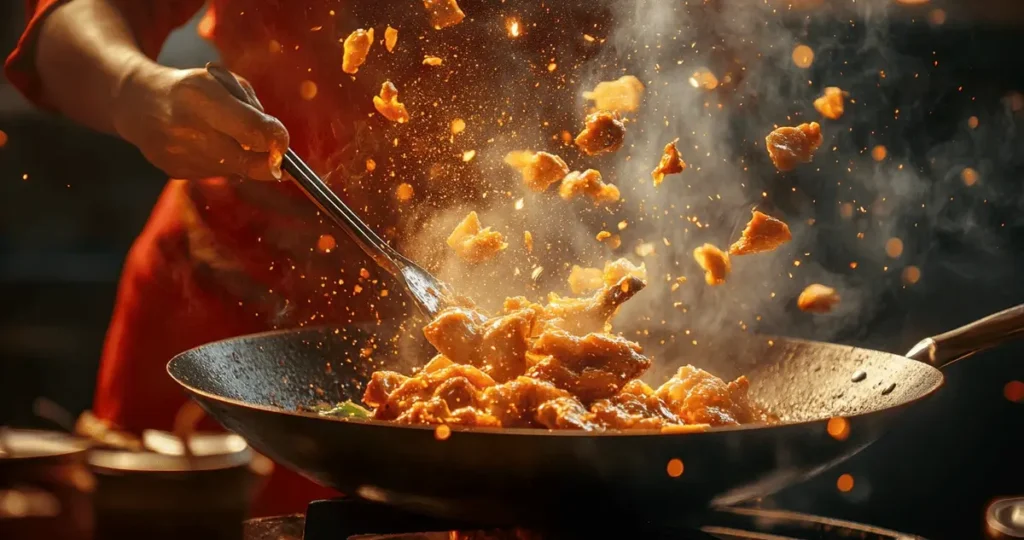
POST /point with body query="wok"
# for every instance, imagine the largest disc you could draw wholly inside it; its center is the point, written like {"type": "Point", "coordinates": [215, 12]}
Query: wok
{"type": "Point", "coordinates": [254, 384]}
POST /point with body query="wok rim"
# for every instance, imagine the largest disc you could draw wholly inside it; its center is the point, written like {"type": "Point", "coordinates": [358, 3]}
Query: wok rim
{"type": "Point", "coordinates": [529, 431]}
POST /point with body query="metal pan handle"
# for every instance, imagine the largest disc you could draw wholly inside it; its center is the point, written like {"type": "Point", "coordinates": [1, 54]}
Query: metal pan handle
{"type": "Point", "coordinates": [957, 344]}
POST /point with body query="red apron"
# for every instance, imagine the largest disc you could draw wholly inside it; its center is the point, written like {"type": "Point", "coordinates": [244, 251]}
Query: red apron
{"type": "Point", "coordinates": [217, 258]}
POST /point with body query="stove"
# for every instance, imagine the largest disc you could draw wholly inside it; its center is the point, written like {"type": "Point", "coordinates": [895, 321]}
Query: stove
{"type": "Point", "coordinates": [344, 519]}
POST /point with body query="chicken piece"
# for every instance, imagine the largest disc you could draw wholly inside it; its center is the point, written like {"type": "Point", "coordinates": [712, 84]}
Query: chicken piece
{"type": "Point", "coordinates": [515, 402]}
{"type": "Point", "coordinates": [497, 346]}
{"type": "Point", "coordinates": [458, 386]}
{"type": "Point", "coordinates": [588, 183]}
{"type": "Point", "coordinates": [715, 263]}
{"type": "Point", "coordinates": [390, 38]}
{"type": "Point", "coordinates": [670, 163]}
{"type": "Point", "coordinates": [818, 299]}
{"type": "Point", "coordinates": [380, 387]}
{"type": "Point", "coordinates": [566, 413]}
{"type": "Point", "coordinates": [584, 315]}
{"type": "Point", "coordinates": [621, 95]}
{"type": "Point", "coordinates": [591, 367]}
{"type": "Point", "coordinates": [443, 13]}
{"type": "Point", "coordinates": [474, 243]}
{"type": "Point", "coordinates": [437, 363]}
{"type": "Point", "coordinates": [698, 397]}
{"type": "Point", "coordinates": [603, 132]}
{"type": "Point", "coordinates": [456, 333]}
{"type": "Point", "coordinates": [539, 169]}
{"type": "Point", "coordinates": [432, 61]}
{"type": "Point", "coordinates": [763, 233]}
{"type": "Point", "coordinates": [791, 146]}
{"type": "Point", "coordinates": [357, 47]}
{"type": "Point", "coordinates": [615, 270]}
{"type": "Point", "coordinates": [585, 280]}
{"type": "Point", "coordinates": [388, 106]}
{"type": "Point", "coordinates": [633, 410]}
{"type": "Point", "coordinates": [830, 104]}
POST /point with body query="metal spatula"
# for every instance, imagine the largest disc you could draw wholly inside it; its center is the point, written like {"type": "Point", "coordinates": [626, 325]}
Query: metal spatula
{"type": "Point", "coordinates": [430, 294]}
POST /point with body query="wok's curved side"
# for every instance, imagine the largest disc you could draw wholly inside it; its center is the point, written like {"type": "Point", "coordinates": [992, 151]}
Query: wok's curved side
{"type": "Point", "coordinates": [521, 476]}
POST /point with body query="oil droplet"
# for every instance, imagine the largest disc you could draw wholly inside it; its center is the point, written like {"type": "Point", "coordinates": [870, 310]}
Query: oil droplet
{"type": "Point", "coordinates": [937, 16]}
{"type": "Point", "coordinates": [458, 126]}
{"type": "Point", "coordinates": [846, 210]}
{"type": "Point", "coordinates": [888, 389]}
{"type": "Point", "coordinates": [1014, 391]}
{"type": "Point", "coordinates": [969, 176]}
{"type": "Point", "coordinates": [859, 376]}
{"type": "Point", "coordinates": [325, 243]}
{"type": "Point", "coordinates": [371, 165]}
{"type": "Point", "coordinates": [894, 247]}
{"type": "Point", "coordinates": [838, 428]}
{"type": "Point", "coordinates": [307, 90]}
{"type": "Point", "coordinates": [911, 275]}
{"type": "Point", "coordinates": [879, 153]}
{"type": "Point", "coordinates": [674, 467]}
{"type": "Point", "coordinates": [845, 483]}
{"type": "Point", "coordinates": [803, 56]}
{"type": "Point", "coordinates": [442, 432]}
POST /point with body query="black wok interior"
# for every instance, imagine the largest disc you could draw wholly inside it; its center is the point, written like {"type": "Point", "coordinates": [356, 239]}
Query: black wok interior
{"type": "Point", "coordinates": [254, 384]}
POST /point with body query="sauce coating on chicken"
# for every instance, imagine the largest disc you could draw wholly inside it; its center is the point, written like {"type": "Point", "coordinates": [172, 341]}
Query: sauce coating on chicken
{"type": "Point", "coordinates": [671, 163]}
{"type": "Point", "coordinates": [763, 233]}
{"type": "Point", "coordinates": [357, 47]}
{"type": "Point", "coordinates": [475, 243]}
{"type": "Point", "coordinates": [715, 263]}
{"type": "Point", "coordinates": [388, 106]}
{"type": "Point", "coordinates": [588, 183]}
{"type": "Point", "coordinates": [791, 146]}
{"type": "Point", "coordinates": [604, 132]}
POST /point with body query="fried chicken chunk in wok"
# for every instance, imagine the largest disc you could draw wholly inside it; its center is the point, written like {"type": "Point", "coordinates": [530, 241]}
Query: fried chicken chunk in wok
{"type": "Point", "coordinates": [699, 397]}
{"type": "Point", "coordinates": [603, 132]}
{"type": "Point", "coordinates": [763, 233]}
{"type": "Point", "coordinates": [791, 146]}
{"type": "Point", "coordinates": [591, 367]}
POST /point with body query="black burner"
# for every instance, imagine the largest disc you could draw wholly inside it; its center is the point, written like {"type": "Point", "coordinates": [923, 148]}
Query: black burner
{"type": "Point", "coordinates": [342, 519]}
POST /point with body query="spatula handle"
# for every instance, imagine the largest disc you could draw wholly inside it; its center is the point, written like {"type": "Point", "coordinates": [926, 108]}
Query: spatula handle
{"type": "Point", "coordinates": [979, 335]}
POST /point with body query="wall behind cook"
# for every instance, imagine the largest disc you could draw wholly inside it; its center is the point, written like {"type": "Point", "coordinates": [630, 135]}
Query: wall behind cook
{"type": "Point", "coordinates": [71, 203]}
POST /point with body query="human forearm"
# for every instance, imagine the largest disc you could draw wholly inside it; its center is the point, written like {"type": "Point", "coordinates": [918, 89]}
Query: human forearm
{"type": "Point", "coordinates": [85, 54]}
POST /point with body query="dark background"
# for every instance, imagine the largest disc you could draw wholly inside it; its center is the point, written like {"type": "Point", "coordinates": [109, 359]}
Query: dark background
{"type": "Point", "coordinates": [65, 230]}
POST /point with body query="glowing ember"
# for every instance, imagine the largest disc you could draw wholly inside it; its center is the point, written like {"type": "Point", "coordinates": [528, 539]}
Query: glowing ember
{"type": "Point", "coordinates": [937, 16]}
{"type": "Point", "coordinates": [838, 428]}
{"type": "Point", "coordinates": [972, 122]}
{"type": "Point", "coordinates": [404, 192]}
{"type": "Point", "coordinates": [468, 155]}
{"type": "Point", "coordinates": [371, 165]}
{"type": "Point", "coordinates": [879, 153]}
{"type": "Point", "coordinates": [674, 467]}
{"type": "Point", "coordinates": [513, 28]}
{"type": "Point", "coordinates": [911, 275]}
{"type": "Point", "coordinates": [845, 483]}
{"type": "Point", "coordinates": [1014, 391]}
{"type": "Point", "coordinates": [528, 241]}
{"type": "Point", "coordinates": [442, 432]}
{"type": "Point", "coordinates": [307, 90]}
{"type": "Point", "coordinates": [458, 126]}
{"type": "Point", "coordinates": [325, 243]}
{"type": "Point", "coordinates": [803, 56]}
{"type": "Point", "coordinates": [894, 247]}
{"type": "Point", "coordinates": [969, 176]}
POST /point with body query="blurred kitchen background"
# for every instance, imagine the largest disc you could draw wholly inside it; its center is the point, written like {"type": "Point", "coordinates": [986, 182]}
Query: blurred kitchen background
{"type": "Point", "coordinates": [72, 201]}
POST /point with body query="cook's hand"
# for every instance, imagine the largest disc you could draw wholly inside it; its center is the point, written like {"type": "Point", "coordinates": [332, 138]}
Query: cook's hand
{"type": "Point", "coordinates": [187, 124]}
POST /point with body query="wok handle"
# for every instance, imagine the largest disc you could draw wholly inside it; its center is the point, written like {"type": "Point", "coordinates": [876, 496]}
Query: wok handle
{"type": "Point", "coordinates": [948, 347]}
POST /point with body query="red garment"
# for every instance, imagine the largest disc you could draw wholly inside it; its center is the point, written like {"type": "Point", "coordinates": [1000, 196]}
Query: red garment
{"type": "Point", "coordinates": [220, 258]}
